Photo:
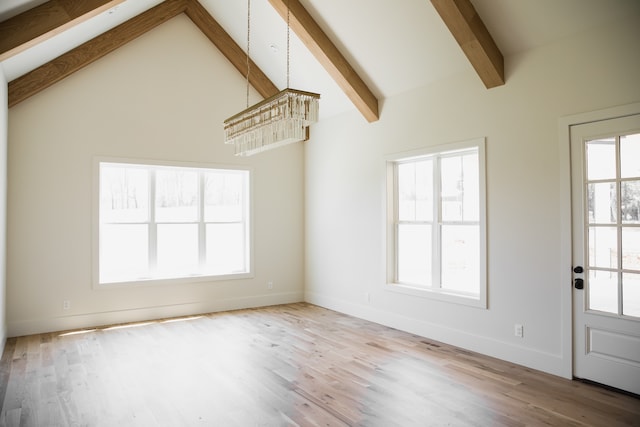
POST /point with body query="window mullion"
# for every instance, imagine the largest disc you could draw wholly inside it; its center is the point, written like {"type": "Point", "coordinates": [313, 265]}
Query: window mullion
{"type": "Point", "coordinates": [153, 227]}
{"type": "Point", "coordinates": [436, 225]}
{"type": "Point", "coordinates": [246, 219]}
{"type": "Point", "coordinates": [202, 247]}
{"type": "Point", "coordinates": [396, 221]}
{"type": "Point", "coordinates": [462, 189]}
{"type": "Point", "coordinates": [618, 189]}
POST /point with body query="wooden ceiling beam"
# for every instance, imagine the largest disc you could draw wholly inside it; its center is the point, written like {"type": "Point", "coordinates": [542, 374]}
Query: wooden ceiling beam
{"type": "Point", "coordinates": [329, 56]}
{"type": "Point", "coordinates": [229, 48]}
{"type": "Point", "coordinates": [473, 37]}
{"type": "Point", "coordinates": [68, 63]}
{"type": "Point", "coordinates": [45, 21]}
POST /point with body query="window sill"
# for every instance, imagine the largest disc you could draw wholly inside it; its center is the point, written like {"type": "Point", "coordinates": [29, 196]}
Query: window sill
{"type": "Point", "coordinates": [438, 295]}
{"type": "Point", "coordinates": [172, 281]}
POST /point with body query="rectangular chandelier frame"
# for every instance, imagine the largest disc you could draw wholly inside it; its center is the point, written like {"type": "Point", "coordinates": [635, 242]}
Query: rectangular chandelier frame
{"type": "Point", "coordinates": [276, 121]}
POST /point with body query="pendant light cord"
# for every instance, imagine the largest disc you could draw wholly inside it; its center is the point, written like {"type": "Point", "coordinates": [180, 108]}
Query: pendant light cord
{"type": "Point", "coordinates": [248, 46]}
{"type": "Point", "coordinates": [288, 30]}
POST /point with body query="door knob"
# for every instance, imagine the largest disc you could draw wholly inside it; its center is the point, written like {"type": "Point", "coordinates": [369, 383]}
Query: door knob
{"type": "Point", "coordinates": [578, 269]}
{"type": "Point", "coordinates": [578, 283]}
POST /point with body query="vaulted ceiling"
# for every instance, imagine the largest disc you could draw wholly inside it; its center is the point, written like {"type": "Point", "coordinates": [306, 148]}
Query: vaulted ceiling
{"type": "Point", "coordinates": [355, 53]}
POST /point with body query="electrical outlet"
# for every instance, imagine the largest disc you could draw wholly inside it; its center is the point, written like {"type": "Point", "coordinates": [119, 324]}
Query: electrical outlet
{"type": "Point", "coordinates": [66, 305]}
{"type": "Point", "coordinates": [269, 284]}
{"type": "Point", "coordinates": [519, 330]}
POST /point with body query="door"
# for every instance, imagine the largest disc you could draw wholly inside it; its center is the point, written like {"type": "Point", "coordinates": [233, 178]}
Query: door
{"type": "Point", "coordinates": [605, 181]}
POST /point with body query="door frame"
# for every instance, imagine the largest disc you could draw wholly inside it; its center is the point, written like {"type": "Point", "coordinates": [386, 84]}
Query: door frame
{"type": "Point", "coordinates": [566, 254]}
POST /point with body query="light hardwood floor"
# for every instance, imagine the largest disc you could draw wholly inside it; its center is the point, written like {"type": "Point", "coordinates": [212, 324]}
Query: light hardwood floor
{"type": "Point", "coordinates": [287, 365]}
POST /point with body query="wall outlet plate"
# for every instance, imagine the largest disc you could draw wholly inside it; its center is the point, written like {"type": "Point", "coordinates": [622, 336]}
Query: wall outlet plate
{"type": "Point", "coordinates": [519, 330]}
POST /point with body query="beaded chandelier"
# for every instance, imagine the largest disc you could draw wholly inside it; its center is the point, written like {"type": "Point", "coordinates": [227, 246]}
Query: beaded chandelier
{"type": "Point", "coordinates": [276, 121]}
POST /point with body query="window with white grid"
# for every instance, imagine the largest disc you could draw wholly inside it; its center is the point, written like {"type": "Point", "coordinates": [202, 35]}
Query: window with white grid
{"type": "Point", "coordinates": [159, 222]}
{"type": "Point", "coordinates": [436, 222]}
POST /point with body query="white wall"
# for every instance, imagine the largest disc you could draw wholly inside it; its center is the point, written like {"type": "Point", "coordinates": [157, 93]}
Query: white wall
{"type": "Point", "coordinates": [527, 189]}
{"type": "Point", "coordinates": [3, 208]}
{"type": "Point", "coordinates": [163, 96]}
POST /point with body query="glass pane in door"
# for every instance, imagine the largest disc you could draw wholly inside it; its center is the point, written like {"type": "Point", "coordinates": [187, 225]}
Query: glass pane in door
{"type": "Point", "coordinates": [602, 202]}
{"type": "Point", "coordinates": [603, 291]}
{"type": "Point", "coordinates": [613, 224]}
{"type": "Point", "coordinates": [603, 247]}
{"type": "Point", "coordinates": [631, 248]}
{"type": "Point", "coordinates": [630, 202]}
{"type": "Point", "coordinates": [630, 156]}
{"type": "Point", "coordinates": [601, 159]}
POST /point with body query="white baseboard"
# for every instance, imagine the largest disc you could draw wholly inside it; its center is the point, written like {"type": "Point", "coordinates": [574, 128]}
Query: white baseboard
{"type": "Point", "coordinates": [89, 320]}
{"type": "Point", "coordinates": [531, 358]}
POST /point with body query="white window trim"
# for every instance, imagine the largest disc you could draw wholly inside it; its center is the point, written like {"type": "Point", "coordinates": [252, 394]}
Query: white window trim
{"type": "Point", "coordinates": [95, 226]}
{"type": "Point", "coordinates": [439, 294]}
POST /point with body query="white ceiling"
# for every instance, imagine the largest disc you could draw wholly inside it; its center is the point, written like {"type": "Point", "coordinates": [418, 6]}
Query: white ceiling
{"type": "Point", "coordinates": [395, 45]}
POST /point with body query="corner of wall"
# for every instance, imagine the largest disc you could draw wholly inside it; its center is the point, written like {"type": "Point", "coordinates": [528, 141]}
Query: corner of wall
{"type": "Point", "coordinates": [4, 121]}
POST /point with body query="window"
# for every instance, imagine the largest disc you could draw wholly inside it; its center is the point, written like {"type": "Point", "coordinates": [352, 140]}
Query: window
{"type": "Point", "coordinates": [436, 220]}
{"type": "Point", "coordinates": [166, 222]}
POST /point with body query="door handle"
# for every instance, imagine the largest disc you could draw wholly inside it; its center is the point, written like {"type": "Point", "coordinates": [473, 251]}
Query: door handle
{"type": "Point", "coordinates": [578, 283]}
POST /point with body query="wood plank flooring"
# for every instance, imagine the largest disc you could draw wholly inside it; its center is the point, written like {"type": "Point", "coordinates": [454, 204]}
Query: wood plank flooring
{"type": "Point", "coordinates": [286, 365]}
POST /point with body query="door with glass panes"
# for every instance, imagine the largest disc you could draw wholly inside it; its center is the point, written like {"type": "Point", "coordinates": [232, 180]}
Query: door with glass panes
{"type": "Point", "coordinates": [605, 169]}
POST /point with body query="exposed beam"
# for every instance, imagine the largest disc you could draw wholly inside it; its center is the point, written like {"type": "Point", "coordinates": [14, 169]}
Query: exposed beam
{"type": "Point", "coordinates": [229, 48]}
{"type": "Point", "coordinates": [45, 21]}
{"type": "Point", "coordinates": [83, 55]}
{"type": "Point", "coordinates": [473, 37]}
{"type": "Point", "coordinates": [68, 63]}
{"type": "Point", "coordinates": [329, 56]}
